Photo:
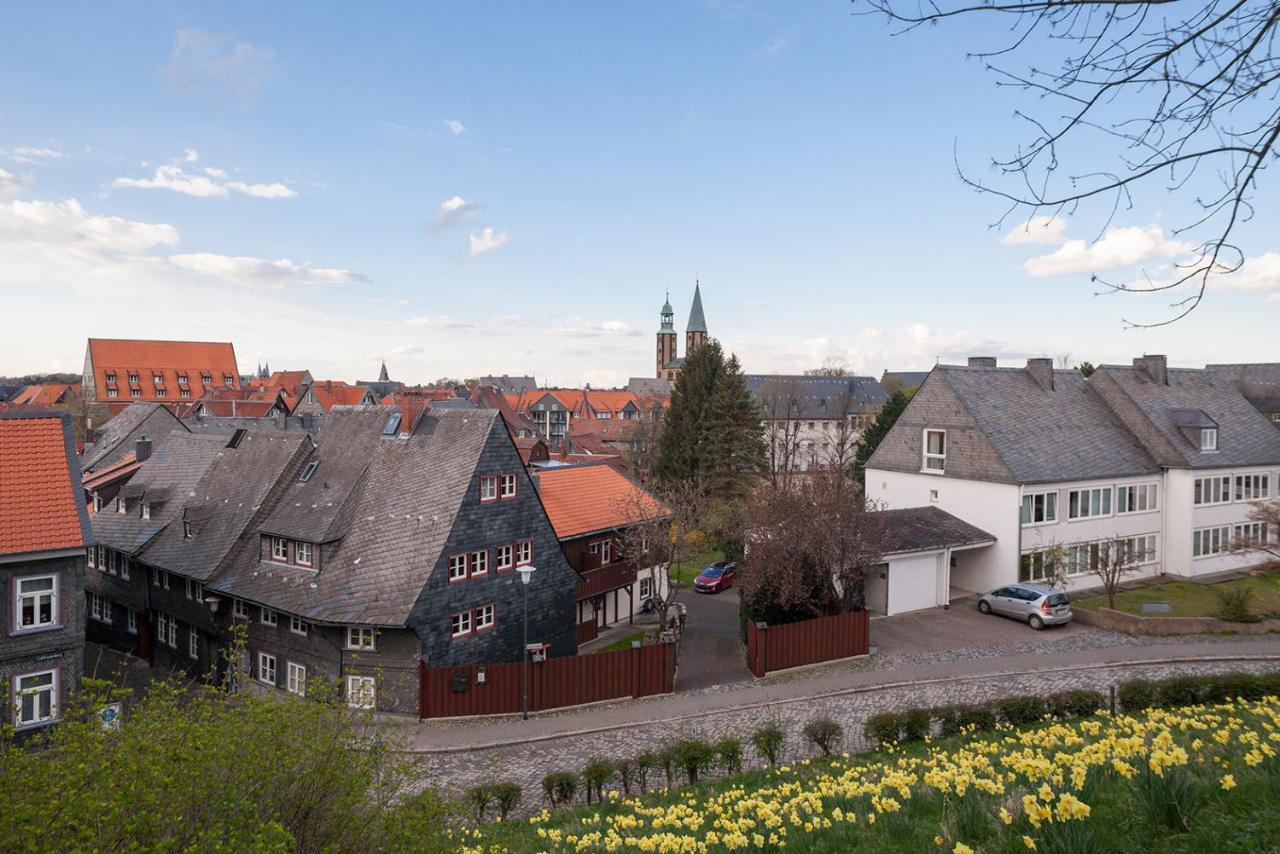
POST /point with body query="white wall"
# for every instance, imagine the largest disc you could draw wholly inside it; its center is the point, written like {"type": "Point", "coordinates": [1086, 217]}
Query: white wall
{"type": "Point", "coordinates": [1204, 516]}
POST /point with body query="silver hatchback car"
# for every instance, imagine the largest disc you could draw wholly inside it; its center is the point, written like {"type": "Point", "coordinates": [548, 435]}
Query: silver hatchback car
{"type": "Point", "coordinates": [1038, 605]}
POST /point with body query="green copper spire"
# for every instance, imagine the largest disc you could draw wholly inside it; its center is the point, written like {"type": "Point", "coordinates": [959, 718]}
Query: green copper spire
{"type": "Point", "coordinates": [668, 316]}
{"type": "Point", "coordinates": [697, 321]}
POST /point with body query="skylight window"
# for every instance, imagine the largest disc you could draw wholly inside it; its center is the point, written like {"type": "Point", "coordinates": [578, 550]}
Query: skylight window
{"type": "Point", "coordinates": [393, 425]}
{"type": "Point", "coordinates": [308, 471]}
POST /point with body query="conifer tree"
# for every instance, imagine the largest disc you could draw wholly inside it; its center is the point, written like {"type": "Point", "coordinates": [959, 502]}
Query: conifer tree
{"type": "Point", "coordinates": [874, 435]}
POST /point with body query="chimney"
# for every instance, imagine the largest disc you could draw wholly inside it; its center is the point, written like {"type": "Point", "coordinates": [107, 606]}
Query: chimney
{"type": "Point", "coordinates": [142, 450]}
{"type": "Point", "coordinates": [1041, 370]}
{"type": "Point", "coordinates": [982, 361]}
{"type": "Point", "coordinates": [1155, 367]}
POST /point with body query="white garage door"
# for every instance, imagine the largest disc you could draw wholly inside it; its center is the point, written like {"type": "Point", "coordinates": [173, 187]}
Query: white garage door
{"type": "Point", "coordinates": [913, 583]}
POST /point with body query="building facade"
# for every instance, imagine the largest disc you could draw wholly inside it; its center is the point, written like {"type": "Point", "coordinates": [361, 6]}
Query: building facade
{"type": "Point", "coordinates": [814, 422]}
{"type": "Point", "coordinates": [669, 362]}
{"type": "Point", "coordinates": [118, 372]}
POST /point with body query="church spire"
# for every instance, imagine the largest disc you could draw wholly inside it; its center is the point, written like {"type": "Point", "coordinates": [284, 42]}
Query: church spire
{"type": "Point", "coordinates": [697, 321]}
{"type": "Point", "coordinates": [383, 377]}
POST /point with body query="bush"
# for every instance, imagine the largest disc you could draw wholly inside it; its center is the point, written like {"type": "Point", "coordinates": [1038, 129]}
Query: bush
{"type": "Point", "coordinates": [595, 776]}
{"type": "Point", "coordinates": [948, 718]}
{"type": "Point", "coordinates": [1235, 605]}
{"type": "Point", "coordinates": [916, 724]}
{"type": "Point", "coordinates": [768, 741]}
{"type": "Point", "coordinates": [479, 798]}
{"type": "Point", "coordinates": [1076, 704]}
{"type": "Point", "coordinates": [825, 734]}
{"type": "Point", "coordinates": [1232, 685]}
{"type": "Point", "coordinates": [1136, 695]}
{"type": "Point", "coordinates": [977, 718]}
{"type": "Point", "coordinates": [1021, 710]}
{"type": "Point", "coordinates": [693, 755]}
{"type": "Point", "coordinates": [646, 762]}
{"type": "Point", "coordinates": [560, 788]}
{"type": "Point", "coordinates": [1181, 691]}
{"type": "Point", "coordinates": [629, 774]}
{"type": "Point", "coordinates": [884, 728]}
{"type": "Point", "coordinates": [507, 797]}
{"type": "Point", "coordinates": [729, 754]}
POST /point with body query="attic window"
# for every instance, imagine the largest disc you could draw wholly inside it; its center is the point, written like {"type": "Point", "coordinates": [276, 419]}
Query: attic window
{"type": "Point", "coordinates": [1209, 439]}
{"type": "Point", "coordinates": [393, 425]}
{"type": "Point", "coordinates": [308, 471]}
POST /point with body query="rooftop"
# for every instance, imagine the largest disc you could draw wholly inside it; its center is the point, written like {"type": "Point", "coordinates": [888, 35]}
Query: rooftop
{"type": "Point", "coordinates": [41, 499]}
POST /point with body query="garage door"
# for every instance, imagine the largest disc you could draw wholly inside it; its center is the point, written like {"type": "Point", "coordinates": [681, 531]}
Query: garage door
{"type": "Point", "coordinates": [913, 584]}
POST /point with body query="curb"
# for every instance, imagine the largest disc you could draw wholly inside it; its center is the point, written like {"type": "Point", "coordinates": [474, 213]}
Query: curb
{"type": "Point", "coordinates": [842, 692]}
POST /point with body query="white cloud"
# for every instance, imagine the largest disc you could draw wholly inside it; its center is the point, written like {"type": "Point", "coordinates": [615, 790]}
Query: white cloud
{"type": "Point", "coordinates": [1260, 274]}
{"type": "Point", "coordinates": [217, 65]}
{"type": "Point", "coordinates": [437, 321]}
{"type": "Point", "coordinates": [1039, 229]}
{"type": "Point", "coordinates": [11, 184]}
{"type": "Point", "coordinates": [31, 154]}
{"type": "Point", "coordinates": [486, 241]}
{"type": "Point", "coordinates": [452, 211]}
{"type": "Point", "coordinates": [456, 127]}
{"type": "Point", "coordinates": [207, 185]}
{"type": "Point", "coordinates": [578, 327]}
{"type": "Point", "coordinates": [190, 155]}
{"type": "Point", "coordinates": [261, 272]}
{"type": "Point", "coordinates": [1119, 247]}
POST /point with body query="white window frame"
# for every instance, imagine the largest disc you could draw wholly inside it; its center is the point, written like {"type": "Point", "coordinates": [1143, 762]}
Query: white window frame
{"type": "Point", "coordinates": [20, 598]}
{"type": "Point", "coordinates": [146, 510]}
{"type": "Point", "coordinates": [93, 551]}
{"type": "Point", "coordinates": [478, 563]}
{"type": "Point", "coordinates": [299, 549]}
{"type": "Point", "coordinates": [299, 626]}
{"type": "Point", "coordinates": [1251, 486]}
{"type": "Point", "coordinates": [460, 624]}
{"type": "Point", "coordinates": [131, 621]}
{"type": "Point", "coordinates": [1252, 532]}
{"type": "Point", "coordinates": [361, 692]}
{"type": "Point", "coordinates": [125, 562]}
{"type": "Point", "coordinates": [488, 487]}
{"type": "Point", "coordinates": [193, 643]}
{"type": "Point", "coordinates": [646, 588]}
{"type": "Point", "coordinates": [1049, 515]}
{"type": "Point", "coordinates": [1205, 488]}
{"type": "Point", "coordinates": [1102, 495]}
{"type": "Point", "coordinates": [1205, 544]}
{"type": "Point", "coordinates": [361, 638]}
{"type": "Point", "coordinates": [240, 609]}
{"type": "Point", "coordinates": [1138, 494]}
{"type": "Point", "coordinates": [268, 617]}
{"type": "Point", "coordinates": [279, 549]}
{"type": "Point", "coordinates": [295, 678]}
{"type": "Point", "coordinates": [266, 663]}
{"type": "Point", "coordinates": [505, 558]}
{"type": "Point", "coordinates": [20, 694]}
{"type": "Point", "coordinates": [507, 486]}
{"type": "Point", "coordinates": [927, 456]}
{"type": "Point", "coordinates": [485, 617]}
{"type": "Point", "coordinates": [524, 552]}
{"type": "Point", "coordinates": [457, 567]}
{"type": "Point", "coordinates": [1208, 440]}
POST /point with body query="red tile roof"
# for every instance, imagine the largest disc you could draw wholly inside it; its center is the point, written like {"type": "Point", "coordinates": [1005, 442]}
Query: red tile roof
{"type": "Point", "coordinates": [46, 394]}
{"type": "Point", "coordinates": [584, 499]}
{"type": "Point", "coordinates": [41, 504]}
{"type": "Point", "coordinates": [167, 359]}
{"type": "Point", "coordinates": [331, 393]}
{"type": "Point", "coordinates": [126, 465]}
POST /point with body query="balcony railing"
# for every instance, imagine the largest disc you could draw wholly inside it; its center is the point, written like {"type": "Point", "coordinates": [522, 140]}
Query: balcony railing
{"type": "Point", "coordinates": [606, 578]}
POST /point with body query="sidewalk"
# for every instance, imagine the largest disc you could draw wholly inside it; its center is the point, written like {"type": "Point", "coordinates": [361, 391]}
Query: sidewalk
{"type": "Point", "coordinates": [812, 688]}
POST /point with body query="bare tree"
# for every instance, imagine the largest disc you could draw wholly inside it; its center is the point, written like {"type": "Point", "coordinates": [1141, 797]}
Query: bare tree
{"type": "Point", "coordinates": [809, 547]}
{"type": "Point", "coordinates": [660, 531]}
{"type": "Point", "coordinates": [1184, 95]}
{"type": "Point", "coordinates": [832, 366]}
{"type": "Point", "coordinates": [780, 403]}
{"type": "Point", "coordinates": [1112, 560]}
{"type": "Point", "coordinates": [1263, 534]}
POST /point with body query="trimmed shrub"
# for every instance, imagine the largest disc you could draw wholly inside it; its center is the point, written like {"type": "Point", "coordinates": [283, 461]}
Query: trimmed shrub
{"type": "Point", "coordinates": [1076, 704]}
{"type": "Point", "coordinates": [1136, 695]}
{"type": "Point", "coordinates": [596, 776]}
{"type": "Point", "coordinates": [883, 728]}
{"type": "Point", "coordinates": [507, 797]}
{"type": "Point", "coordinates": [646, 762]}
{"type": "Point", "coordinates": [729, 754]}
{"type": "Point", "coordinates": [1235, 605]}
{"type": "Point", "coordinates": [1181, 691]}
{"type": "Point", "coordinates": [825, 734]}
{"type": "Point", "coordinates": [768, 741]}
{"type": "Point", "coordinates": [1021, 710]}
{"type": "Point", "coordinates": [479, 798]}
{"type": "Point", "coordinates": [916, 724]}
{"type": "Point", "coordinates": [978, 718]}
{"type": "Point", "coordinates": [948, 718]}
{"type": "Point", "coordinates": [560, 788]}
{"type": "Point", "coordinates": [694, 755]}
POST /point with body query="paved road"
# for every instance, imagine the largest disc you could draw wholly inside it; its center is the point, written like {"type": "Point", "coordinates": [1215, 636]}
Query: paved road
{"type": "Point", "coordinates": [710, 653]}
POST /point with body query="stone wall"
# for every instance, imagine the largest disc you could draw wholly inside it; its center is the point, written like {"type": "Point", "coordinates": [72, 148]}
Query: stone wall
{"type": "Point", "coordinates": [1132, 624]}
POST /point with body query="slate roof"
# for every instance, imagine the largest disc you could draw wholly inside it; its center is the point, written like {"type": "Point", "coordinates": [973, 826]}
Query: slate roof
{"type": "Point", "coordinates": [224, 501]}
{"type": "Point", "coordinates": [123, 427]}
{"type": "Point", "coordinates": [172, 472]}
{"type": "Point", "coordinates": [910, 379]}
{"type": "Point", "coordinates": [697, 320]}
{"type": "Point", "coordinates": [920, 529]}
{"type": "Point", "coordinates": [41, 497]}
{"type": "Point", "coordinates": [817, 397]}
{"type": "Point", "coordinates": [582, 500]}
{"type": "Point", "coordinates": [1047, 435]}
{"type": "Point", "coordinates": [650, 386]}
{"type": "Point", "coordinates": [509, 385]}
{"type": "Point", "coordinates": [1259, 383]}
{"type": "Point", "coordinates": [1245, 436]}
{"type": "Point", "coordinates": [400, 499]}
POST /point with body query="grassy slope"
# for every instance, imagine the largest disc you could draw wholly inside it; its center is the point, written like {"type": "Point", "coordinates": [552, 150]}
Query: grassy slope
{"type": "Point", "coordinates": [1244, 819]}
{"type": "Point", "coordinates": [1190, 599]}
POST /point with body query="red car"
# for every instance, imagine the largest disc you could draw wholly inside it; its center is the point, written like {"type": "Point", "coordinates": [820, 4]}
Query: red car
{"type": "Point", "coordinates": [715, 577]}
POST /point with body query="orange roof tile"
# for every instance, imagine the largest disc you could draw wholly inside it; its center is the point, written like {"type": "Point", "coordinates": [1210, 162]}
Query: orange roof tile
{"type": "Point", "coordinates": [331, 393]}
{"type": "Point", "coordinates": [46, 394]}
{"type": "Point", "coordinates": [584, 499]}
{"type": "Point", "coordinates": [121, 357]}
{"type": "Point", "coordinates": [41, 505]}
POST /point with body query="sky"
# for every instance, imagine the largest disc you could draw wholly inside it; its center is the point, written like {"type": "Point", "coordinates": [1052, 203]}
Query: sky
{"type": "Point", "coordinates": [467, 189]}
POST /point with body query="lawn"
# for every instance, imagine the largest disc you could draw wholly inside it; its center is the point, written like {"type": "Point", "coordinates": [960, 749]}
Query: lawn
{"type": "Point", "coordinates": [1093, 784]}
{"type": "Point", "coordinates": [1190, 599]}
{"type": "Point", "coordinates": [625, 642]}
{"type": "Point", "coordinates": [693, 564]}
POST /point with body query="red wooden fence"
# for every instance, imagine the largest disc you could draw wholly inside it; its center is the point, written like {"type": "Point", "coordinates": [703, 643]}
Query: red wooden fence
{"type": "Point", "coordinates": [588, 631]}
{"type": "Point", "coordinates": [787, 645]}
{"type": "Point", "coordinates": [445, 692]}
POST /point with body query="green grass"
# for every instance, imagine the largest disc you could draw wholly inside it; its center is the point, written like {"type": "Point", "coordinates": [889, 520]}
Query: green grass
{"type": "Point", "coordinates": [624, 643]}
{"type": "Point", "coordinates": [693, 564]}
{"type": "Point", "coordinates": [1190, 599]}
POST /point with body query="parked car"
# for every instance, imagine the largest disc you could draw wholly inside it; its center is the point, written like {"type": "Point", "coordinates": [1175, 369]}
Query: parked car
{"type": "Point", "coordinates": [1038, 605]}
{"type": "Point", "coordinates": [715, 577]}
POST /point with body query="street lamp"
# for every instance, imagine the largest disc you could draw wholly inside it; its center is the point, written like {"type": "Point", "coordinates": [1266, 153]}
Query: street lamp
{"type": "Point", "coordinates": [526, 575]}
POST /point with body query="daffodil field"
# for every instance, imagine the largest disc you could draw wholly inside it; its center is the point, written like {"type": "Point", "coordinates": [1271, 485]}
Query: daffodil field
{"type": "Point", "coordinates": [1193, 778]}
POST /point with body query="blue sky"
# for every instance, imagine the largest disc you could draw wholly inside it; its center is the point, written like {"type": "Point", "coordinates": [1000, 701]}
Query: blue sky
{"type": "Point", "coordinates": [469, 189]}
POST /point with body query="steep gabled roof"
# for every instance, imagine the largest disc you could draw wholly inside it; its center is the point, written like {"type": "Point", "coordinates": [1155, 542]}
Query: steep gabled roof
{"type": "Point", "coordinates": [46, 394]}
{"type": "Point", "coordinates": [135, 421]}
{"type": "Point", "coordinates": [168, 359]}
{"type": "Point", "coordinates": [41, 497]}
{"type": "Point", "coordinates": [697, 321]}
{"type": "Point", "coordinates": [588, 499]}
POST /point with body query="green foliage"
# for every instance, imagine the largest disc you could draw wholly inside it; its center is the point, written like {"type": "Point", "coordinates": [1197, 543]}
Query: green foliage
{"type": "Point", "coordinates": [825, 734]}
{"type": "Point", "coordinates": [1235, 605]}
{"type": "Point", "coordinates": [596, 776]}
{"type": "Point", "coordinates": [712, 434]}
{"type": "Point", "coordinates": [768, 741]}
{"type": "Point", "coordinates": [915, 724]}
{"type": "Point", "coordinates": [650, 761]}
{"type": "Point", "coordinates": [1171, 799]}
{"type": "Point", "coordinates": [874, 434]}
{"type": "Point", "coordinates": [1136, 695]}
{"type": "Point", "coordinates": [560, 788]}
{"type": "Point", "coordinates": [507, 797]}
{"type": "Point", "coordinates": [729, 754]}
{"type": "Point", "coordinates": [693, 755]}
{"type": "Point", "coordinates": [479, 798]}
{"type": "Point", "coordinates": [1075, 704]}
{"type": "Point", "coordinates": [630, 775]}
{"type": "Point", "coordinates": [212, 771]}
{"type": "Point", "coordinates": [884, 728]}
{"type": "Point", "coordinates": [1021, 710]}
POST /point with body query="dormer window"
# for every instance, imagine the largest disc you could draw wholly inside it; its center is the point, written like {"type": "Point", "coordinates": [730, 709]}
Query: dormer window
{"type": "Point", "coordinates": [227, 379]}
{"type": "Point", "coordinates": [146, 510]}
{"type": "Point", "coordinates": [110, 376]}
{"type": "Point", "coordinates": [935, 451]}
{"type": "Point", "coordinates": [1209, 439]}
{"type": "Point", "coordinates": [280, 549]}
{"type": "Point", "coordinates": [488, 487]}
{"type": "Point", "coordinates": [206, 379]}
{"type": "Point", "coordinates": [182, 379]}
{"type": "Point", "coordinates": [158, 379]}
{"type": "Point", "coordinates": [507, 486]}
{"type": "Point", "coordinates": [133, 378]}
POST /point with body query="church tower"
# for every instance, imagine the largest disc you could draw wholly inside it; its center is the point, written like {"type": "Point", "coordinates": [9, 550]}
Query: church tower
{"type": "Point", "coordinates": [666, 339]}
{"type": "Point", "coordinates": [695, 334]}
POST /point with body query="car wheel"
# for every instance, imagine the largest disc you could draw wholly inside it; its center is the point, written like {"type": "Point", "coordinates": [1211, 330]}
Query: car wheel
{"type": "Point", "coordinates": [1036, 622]}
{"type": "Point", "coordinates": [984, 606]}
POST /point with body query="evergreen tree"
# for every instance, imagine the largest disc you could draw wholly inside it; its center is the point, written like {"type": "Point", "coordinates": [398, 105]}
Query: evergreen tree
{"type": "Point", "coordinates": [734, 445]}
{"type": "Point", "coordinates": [880, 428]}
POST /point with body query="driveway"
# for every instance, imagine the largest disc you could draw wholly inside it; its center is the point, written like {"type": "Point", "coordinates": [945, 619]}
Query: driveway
{"type": "Point", "coordinates": [960, 627]}
{"type": "Point", "coordinates": [710, 653]}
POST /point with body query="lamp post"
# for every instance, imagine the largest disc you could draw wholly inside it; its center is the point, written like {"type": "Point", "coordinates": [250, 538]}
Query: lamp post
{"type": "Point", "coordinates": [526, 575]}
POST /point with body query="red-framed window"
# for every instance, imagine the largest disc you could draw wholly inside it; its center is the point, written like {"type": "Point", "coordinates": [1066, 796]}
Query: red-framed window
{"type": "Point", "coordinates": [460, 624]}
{"type": "Point", "coordinates": [485, 617]}
{"type": "Point", "coordinates": [507, 486]}
{"type": "Point", "coordinates": [457, 568]}
{"type": "Point", "coordinates": [505, 557]}
{"type": "Point", "coordinates": [524, 553]}
{"type": "Point", "coordinates": [479, 563]}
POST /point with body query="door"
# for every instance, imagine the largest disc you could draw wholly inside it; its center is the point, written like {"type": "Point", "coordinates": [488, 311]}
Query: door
{"type": "Point", "coordinates": [1020, 603]}
{"type": "Point", "coordinates": [913, 584]}
{"type": "Point", "coordinates": [1002, 601]}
